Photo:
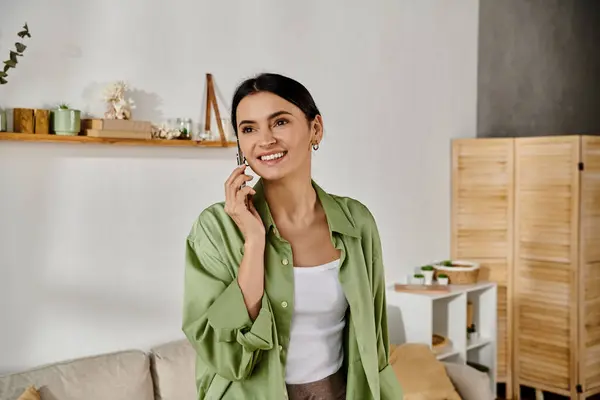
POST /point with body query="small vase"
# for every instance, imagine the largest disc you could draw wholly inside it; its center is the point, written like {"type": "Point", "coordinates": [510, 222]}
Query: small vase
{"type": "Point", "coordinates": [3, 123]}
{"type": "Point", "coordinates": [442, 281]}
{"type": "Point", "coordinates": [67, 122]}
{"type": "Point", "coordinates": [428, 277]}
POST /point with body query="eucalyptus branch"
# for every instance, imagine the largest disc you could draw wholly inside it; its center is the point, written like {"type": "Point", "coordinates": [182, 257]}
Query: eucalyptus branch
{"type": "Point", "coordinates": [14, 55]}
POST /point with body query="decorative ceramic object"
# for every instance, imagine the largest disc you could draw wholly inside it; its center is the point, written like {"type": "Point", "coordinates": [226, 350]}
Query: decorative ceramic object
{"type": "Point", "coordinates": [439, 343]}
{"type": "Point", "coordinates": [418, 279]}
{"type": "Point", "coordinates": [472, 333]}
{"type": "Point", "coordinates": [442, 279]}
{"type": "Point", "coordinates": [428, 272]}
{"type": "Point", "coordinates": [117, 107]}
{"type": "Point", "coordinates": [66, 121]}
{"type": "Point", "coordinates": [3, 124]}
{"type": "Point", "coordinates": [459, 272]}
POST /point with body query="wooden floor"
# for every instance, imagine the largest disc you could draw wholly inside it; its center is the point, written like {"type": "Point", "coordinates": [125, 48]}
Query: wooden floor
{"type": "Point", "coordinates": [529, 394]}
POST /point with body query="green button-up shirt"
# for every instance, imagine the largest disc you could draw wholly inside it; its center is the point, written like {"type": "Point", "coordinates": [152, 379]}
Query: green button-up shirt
{"type": "Point", "coordinates": [238, 358]}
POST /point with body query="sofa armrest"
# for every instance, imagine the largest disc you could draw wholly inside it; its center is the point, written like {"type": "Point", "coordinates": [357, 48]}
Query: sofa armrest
{"type": "Point", "coordinates": [470, 383]}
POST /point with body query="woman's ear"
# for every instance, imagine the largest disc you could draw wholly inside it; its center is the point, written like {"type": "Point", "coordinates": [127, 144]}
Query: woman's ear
{"type": "Point", "coordinates": [317, 129]}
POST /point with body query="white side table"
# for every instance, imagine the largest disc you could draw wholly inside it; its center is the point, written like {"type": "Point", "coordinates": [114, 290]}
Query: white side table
{"type": "Point", "coordinates": [415, 317]}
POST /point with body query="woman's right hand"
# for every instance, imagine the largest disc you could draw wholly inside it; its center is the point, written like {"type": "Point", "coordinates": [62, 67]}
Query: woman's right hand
{"type": "Point", "coordinates": [243, 212]}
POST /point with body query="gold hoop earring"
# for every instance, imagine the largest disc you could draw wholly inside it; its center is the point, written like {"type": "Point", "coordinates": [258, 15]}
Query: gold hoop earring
{"type": "Point", "coordinates": [315, 146]}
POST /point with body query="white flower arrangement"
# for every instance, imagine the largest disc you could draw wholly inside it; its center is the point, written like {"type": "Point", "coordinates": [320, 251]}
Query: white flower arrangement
{"type": "Point", "coordinates": [164, 132]}
{"type": "Point", "coordinates": [117, 106]}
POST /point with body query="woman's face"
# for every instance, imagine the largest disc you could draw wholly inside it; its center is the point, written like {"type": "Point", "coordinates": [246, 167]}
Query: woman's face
{"type": "Point", "coordinates": [275, 136]}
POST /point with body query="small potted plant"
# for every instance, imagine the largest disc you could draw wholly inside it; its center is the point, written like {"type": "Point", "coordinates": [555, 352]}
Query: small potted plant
{"type": "Point", "coordinates": [418, 279]}
{"type": "Point", "coordinates": [66, 120]}
{"type": "Point", "coordinates": [472, 333]}
{"type": "Point", "coordinates": [12, 62]}
{"type": "Point", "coordinates": [427, 272]}
{"type": "Point", "coordinates": [442, 279]}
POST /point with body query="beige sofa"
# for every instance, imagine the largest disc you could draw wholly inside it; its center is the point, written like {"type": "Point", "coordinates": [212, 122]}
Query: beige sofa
{"type": "Point", "coordinates": [164, 373]}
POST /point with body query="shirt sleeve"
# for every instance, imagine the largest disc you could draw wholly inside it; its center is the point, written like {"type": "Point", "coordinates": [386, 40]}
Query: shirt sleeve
{"type": "Point", "coordinates": [389, 383]}
{"type": "Point", "coordinates": [215, 318]}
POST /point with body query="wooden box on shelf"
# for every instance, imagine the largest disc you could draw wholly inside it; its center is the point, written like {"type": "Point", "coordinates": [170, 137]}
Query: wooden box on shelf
{"type": "Point", "coordinates": [116, 128]}
{"type": "Point", "coordinates": [116, 125]}
{"type": "Point", "coordinates": [114, 134]}
{"type": "Point", "coordinates": [42, 122]}
{"type": "Point", "coordinates": [528, 210]}
{"type": "Point", "coordinates": [23, 120]}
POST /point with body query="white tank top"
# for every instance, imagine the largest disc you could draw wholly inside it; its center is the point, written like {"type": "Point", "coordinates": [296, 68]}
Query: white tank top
{"type": "Point", "coordinates": [316, 347]}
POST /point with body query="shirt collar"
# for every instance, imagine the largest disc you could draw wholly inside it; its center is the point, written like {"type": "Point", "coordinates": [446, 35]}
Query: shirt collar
{"type": "Point", "coordinates": [338, 220]}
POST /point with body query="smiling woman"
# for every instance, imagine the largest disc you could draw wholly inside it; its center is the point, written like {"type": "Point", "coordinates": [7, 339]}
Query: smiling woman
{"type": "Point", "coordinates": [279, 123]}
{"type": "Point", "coordinates": [284, 284]}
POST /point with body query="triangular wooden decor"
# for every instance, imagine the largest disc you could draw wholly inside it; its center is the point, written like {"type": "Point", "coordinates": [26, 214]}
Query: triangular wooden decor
{"type": "Point", "coordinates": [211, 100]}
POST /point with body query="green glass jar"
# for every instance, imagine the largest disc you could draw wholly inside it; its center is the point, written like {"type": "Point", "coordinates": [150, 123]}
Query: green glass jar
{"type": "Point", "coordinates": [3, 121]}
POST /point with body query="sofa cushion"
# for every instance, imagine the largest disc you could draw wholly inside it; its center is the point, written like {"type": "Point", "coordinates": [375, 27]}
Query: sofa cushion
{"type": "Point", "coordinates": [470, 383]}
{"type": "Point", "coordinates": [116, 376]}
{"type": "Point", "coordinates": [173, 371]}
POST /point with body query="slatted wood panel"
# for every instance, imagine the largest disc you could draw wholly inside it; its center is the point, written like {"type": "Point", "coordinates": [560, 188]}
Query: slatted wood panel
{"type": "Point", "coordinates": [504, 358]}
{"type": "Point", "coordinates": [589, 366]}
{"type": "Point", "coordinates": [482, 218]}
{"type": "Point", "coordinates": [546, 260]}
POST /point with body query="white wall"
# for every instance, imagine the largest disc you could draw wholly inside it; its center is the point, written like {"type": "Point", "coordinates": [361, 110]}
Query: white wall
{"type": "Point", "coordinates": [92, 237]}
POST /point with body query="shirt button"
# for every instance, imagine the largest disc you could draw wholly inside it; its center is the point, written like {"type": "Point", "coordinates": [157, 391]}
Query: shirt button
{"type": "Point", "coordinates": [284, 304]}
{"type": "Point", "coordinates": [280, 347]}
{"type": "Point", "coordinates": [285, 261]}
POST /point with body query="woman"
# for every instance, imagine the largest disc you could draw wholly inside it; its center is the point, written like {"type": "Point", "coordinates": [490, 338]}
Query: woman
{"type": "Point", "coordinates": [284, 283]}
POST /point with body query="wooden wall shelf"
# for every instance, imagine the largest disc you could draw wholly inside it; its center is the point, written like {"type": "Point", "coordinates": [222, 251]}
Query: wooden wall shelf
{"type": "Point", "coordinates": [29, 137]}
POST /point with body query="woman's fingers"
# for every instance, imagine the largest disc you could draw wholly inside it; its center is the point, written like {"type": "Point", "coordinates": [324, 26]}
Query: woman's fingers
{"type": "Point", "coordinates": [236, 186]}
{"type": "Point", "coordinates": [237, 182]}
{"type": "Point", "coordinates": [235, 173]}
{"type": "Point", "coordinates": [230, 187]}
{"type": "Point", "coordinates": [242, 194]}
{"type": "Point", "coordinates": [236, 203]}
